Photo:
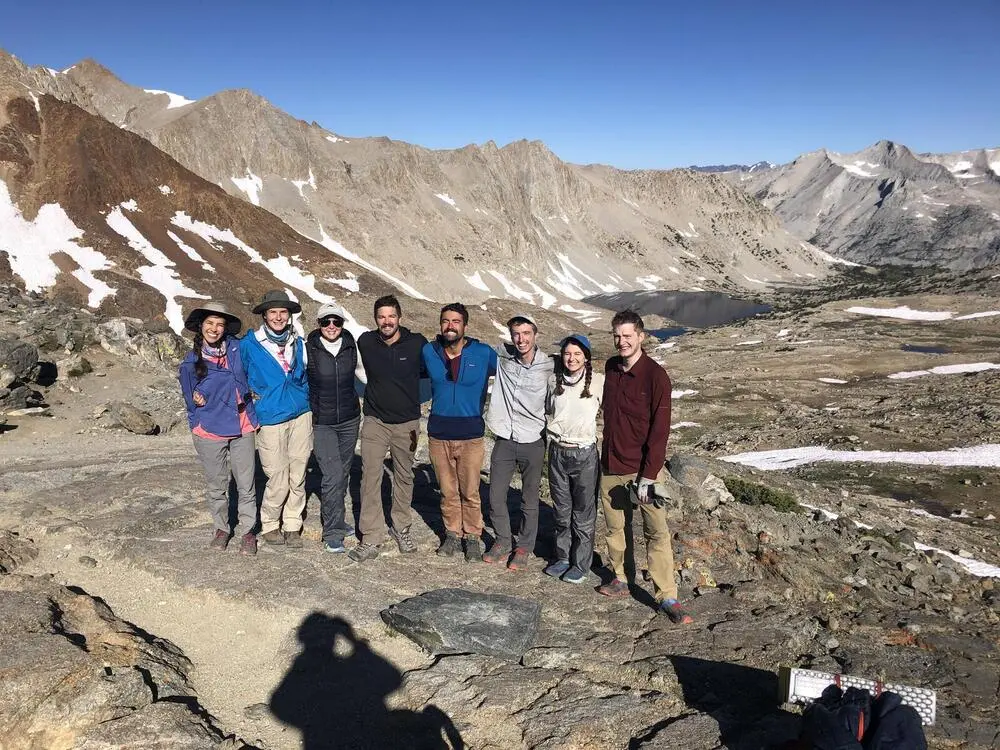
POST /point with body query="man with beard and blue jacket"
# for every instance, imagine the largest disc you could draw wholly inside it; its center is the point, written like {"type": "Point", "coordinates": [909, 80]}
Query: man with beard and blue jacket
{"type": "Point", "coordinates": [459, 369]}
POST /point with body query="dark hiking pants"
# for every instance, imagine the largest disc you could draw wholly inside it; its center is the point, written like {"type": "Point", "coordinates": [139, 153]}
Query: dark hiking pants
{"type": "Point", "coordinates": [333, 445]}
{"type": "Point", "coordinates": [573, 476]}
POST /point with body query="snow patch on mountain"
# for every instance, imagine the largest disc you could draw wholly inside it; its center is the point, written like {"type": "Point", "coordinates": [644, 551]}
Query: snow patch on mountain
{"type": "Point", "coordinates": [476, 280]}
{"type": "Point", "coordinates": [448, 199]}
{"type": "Point", "coordinates": [946, 370]}
{"type": "Point", "coordinates": [159, 274]}
{"type": "Point", "coordinates": [175, 100]}
{"type": "Point", "coordinates": [350, 283]}
{"type": "Point", "coordinates": [330, 244]}
{"type": "Point", "coordinates": [190, 251]}
{"type": "Point", "coordinates": [251, 185]}
{"type": "Point", "coordinates": [29, 245]}
{"type": "Point", "coordinates": [310, 181]}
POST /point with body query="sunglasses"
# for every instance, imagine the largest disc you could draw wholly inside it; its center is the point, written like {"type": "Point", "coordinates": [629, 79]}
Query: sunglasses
{"type": "Point", "coordinates": [333, 320]}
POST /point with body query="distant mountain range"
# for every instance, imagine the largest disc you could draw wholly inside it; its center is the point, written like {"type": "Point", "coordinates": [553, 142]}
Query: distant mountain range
{"type": "Point", "coordinates": [140, 201]}
{"type": "Point", "coordinates": [715, 168]}
{"type": "Point", "coordinates": [886, 204]}
{"type": "Point", "coordinates": [472, 223]}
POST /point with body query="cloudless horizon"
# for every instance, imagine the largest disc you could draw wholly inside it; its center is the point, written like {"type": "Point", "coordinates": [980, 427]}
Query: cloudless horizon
{"type": "Point", "coordinates": [633, 84]}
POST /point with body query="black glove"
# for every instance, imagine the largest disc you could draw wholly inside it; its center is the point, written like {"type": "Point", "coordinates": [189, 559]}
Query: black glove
{"type": "Point", "coordinates": [836, 720]}
{"type": "Point", "coordinates": [894, 726]}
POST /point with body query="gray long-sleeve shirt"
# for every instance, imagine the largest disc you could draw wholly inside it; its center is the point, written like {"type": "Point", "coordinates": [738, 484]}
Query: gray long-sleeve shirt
{"type": "Point", "coordinates": [517, 403]}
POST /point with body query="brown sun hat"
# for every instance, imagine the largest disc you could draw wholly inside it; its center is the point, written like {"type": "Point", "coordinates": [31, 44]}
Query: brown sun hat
{"type": "Point", "coordinates": [196, 316]}
{"type": "Point", "coordinates": [277, 298]}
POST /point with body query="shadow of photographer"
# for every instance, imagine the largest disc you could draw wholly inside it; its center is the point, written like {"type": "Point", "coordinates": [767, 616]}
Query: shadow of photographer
{"type": "Point", "coordinates": [336, 690]}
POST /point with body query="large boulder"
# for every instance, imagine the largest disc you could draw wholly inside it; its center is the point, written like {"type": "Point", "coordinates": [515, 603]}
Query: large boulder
{"type": "Point", "coordinates": [126, 337]}
{"type": "Point", "coordinates": [73, 366]}
{"type": "Point", "coordinates": [133, 418]}
{"type": "Point", "coordinates": [77, 676]}
{"type": "Point", "coordinates": [18, 361]}
{"type": "Point", "coordinates": [456, 621]}
{"type": "Point", "coordinates": [700, 489]}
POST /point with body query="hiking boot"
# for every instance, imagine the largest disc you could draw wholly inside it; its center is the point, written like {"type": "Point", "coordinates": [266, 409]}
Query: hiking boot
{"type": "Point", "coordinates": [575, 575]}
{"type": "Point", "coordinates": [220, 540]}
{"type": "Point", "coordinates": [293, 539]}
{"type": "Point", "coordinates": [334, 547]}
{"type": "Point", "coordinates": [498, 554]}
{"type": "Point", "coordinates": [450, 545]}
{"type": "Point", "coordinates": [557, 568]}
{"type": "Point", "coordinates": [274, 537]}
{"type": "Point", "coordinates": [404, 541]}
{"type": "Point", "coordinates": [248, 544]}
{"type": "Point", "coordinates": [520, 559]}
{"type": "Point", "coordinates": [614, 587]}
{"type": "Point", "coordinates": [675, 612]}
{"type": "Point", "coordinates": [364, 552]}
{"type": "Point", "coordinates": [473, 549]}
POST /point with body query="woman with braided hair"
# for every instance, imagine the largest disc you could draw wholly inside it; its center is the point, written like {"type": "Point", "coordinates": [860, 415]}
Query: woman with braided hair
{"type": "Point", "coordinates": [573, 458]}
{"type": "Point", "coordinates": [221, 415]}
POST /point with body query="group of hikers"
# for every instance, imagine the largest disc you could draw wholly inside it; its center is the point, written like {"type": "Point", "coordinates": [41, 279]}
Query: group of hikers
{"type": "Point", "coordinates": [284, 397]}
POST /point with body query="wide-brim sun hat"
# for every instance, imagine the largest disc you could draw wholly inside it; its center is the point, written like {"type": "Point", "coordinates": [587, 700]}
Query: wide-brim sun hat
{"type": "Point", "coordinates": [195, 317]}
{"type": "Point", "coordinates": [576, 338]}
{"type": "Point", "coordinates": [277, 298]}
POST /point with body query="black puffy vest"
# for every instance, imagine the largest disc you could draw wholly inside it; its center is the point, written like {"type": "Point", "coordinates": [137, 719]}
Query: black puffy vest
{"type": "Point", "coordinates": [332, 397]}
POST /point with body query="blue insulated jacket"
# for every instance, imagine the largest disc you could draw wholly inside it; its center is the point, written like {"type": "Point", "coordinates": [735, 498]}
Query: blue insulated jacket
{"type": "Point", "coordinates": [457, 406]}
{"type": "Point", "coordinates": [279, 396]}
{"type": "Point", "coordinates": [219, 415]}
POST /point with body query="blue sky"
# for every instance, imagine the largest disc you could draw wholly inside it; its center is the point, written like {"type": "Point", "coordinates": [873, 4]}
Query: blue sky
{"type": "Point", "coordinates": [633, 84]}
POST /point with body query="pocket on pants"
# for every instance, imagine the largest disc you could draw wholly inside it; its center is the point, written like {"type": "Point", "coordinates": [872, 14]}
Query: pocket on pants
{"type": "Point", "coordinates": [413, 441]}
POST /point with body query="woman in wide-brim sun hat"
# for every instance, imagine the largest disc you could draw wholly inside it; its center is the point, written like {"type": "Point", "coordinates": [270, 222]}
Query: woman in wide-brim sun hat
{"type": "Point", "coordinates": [221, 416]}
{"type": "Point", "coordinates": [574, 462]}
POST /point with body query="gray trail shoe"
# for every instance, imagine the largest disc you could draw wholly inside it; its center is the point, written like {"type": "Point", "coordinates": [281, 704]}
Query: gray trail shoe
{"type": "Point", "coordinates": [450, 545]}
{"type": "Point", "coordinates": [363, 552]}
{"type": "Point", "coordinates": [403, 539]}
{"type": "Point", "coordinates": [293, 539]}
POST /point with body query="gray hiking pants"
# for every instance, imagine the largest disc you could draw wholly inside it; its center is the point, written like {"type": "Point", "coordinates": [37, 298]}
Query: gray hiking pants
{"type": "Point", "coordinates": [220, 458]}
{"type": "Point", "coordinates": [333, 446]}
{"type": "Point", "coordinates": [526, 458]}
{"type": "Point", "coordinates": [573, 476]}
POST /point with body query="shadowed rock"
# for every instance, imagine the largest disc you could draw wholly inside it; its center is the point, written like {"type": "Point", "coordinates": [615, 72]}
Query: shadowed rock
{"type": "Point", "coordinates": [454, 621]}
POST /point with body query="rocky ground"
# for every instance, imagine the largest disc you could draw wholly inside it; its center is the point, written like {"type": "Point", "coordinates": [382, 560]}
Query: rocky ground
{"type": "Point", "coordinates": [126, 626]}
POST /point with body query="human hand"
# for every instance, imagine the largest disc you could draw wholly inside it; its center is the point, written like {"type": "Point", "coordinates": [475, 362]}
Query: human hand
{"type": "Point", "coordinates": [643, 487]}
{"type": "Point", "coordinates": [198, 399]}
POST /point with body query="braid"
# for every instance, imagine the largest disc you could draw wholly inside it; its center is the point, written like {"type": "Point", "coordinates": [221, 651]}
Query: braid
{"type": "Point", "coordinates": [200, 368]}
{"type": "Point", "coordinates": [586, 380]}
{"type": "Point", "coordinates": [560, 370]}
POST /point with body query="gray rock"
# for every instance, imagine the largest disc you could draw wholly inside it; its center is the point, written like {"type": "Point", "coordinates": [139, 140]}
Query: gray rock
{"type": "Point", "coordinates": [77, 676]}
{"type": "Point", "coordinates": [455, 621]}
{"type": "Point", "coordinates": [693, 732]}
{"type": "Point", "coordinates": [700, 488]}
{"type": "Point", "coordinates": [14, 550]}
{"type": "Point", "coordinates": [87, 561]}
{"type": "Point", "coordinates": [18, 357]}
{"type": "Point", "coordinates": [133, 419]}
{"type": "Point", "coordinates": [73, 366]}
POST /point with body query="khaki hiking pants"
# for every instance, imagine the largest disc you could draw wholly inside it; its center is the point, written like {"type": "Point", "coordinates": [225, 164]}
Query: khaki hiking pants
{"type": "Point", "coordinates": [284, 452]}
{"type": "Point", "coordinates": [400, 440]}
{"type": "Point", "coordinates": [457, 464]}
{"type": "Point", "coordinates": [618, 515]}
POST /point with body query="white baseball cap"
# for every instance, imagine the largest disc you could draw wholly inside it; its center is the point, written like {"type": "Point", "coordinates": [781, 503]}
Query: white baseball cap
{"type": "Point", "coordinates": [330, 308]}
